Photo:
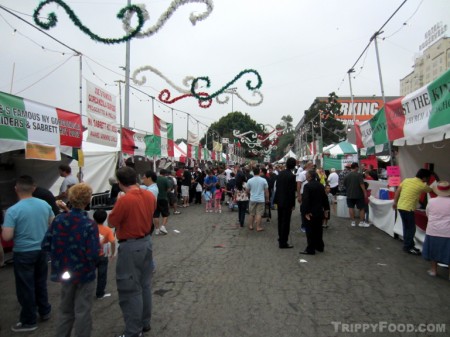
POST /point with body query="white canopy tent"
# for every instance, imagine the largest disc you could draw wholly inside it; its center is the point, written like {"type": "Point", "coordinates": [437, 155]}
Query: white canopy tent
{"type": "Point", "coordinates": [290, 154]}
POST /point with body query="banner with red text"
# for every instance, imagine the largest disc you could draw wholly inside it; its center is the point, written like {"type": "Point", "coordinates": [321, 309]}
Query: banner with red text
{"type": "Point", "coordinates": [101, 113]}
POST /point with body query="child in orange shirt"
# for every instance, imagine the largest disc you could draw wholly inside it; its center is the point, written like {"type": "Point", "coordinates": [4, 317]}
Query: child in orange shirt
{"type": "Point", "coordinates": [107, 249]}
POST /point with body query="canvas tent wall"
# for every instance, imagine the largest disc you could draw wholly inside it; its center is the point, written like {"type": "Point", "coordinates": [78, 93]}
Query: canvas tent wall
{"type": "Point", "coordinates": [413, 157]}
{"type": "Point", "coordinates": [98, 167]}
{"type": "Point", "coordinates": [338, 155]}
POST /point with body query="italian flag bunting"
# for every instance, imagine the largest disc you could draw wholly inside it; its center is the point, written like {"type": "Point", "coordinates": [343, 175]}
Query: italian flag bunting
{"type": "Point", "coordinates": [423, 113]}
{"type": "Point", "coordinates": [421, 116]}
{"type": "Point", "coordinates": [161, 142]}
{"type": "Point", "coordinates": [133, 143]}
{"type": "Point", "coordinates": [372, 132]}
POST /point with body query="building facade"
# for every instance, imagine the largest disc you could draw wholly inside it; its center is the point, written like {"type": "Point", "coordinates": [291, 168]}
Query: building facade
{"type": "Point", "coordinates": [364, 108]}
{"type": "Point", "coordinates": [433, 62]}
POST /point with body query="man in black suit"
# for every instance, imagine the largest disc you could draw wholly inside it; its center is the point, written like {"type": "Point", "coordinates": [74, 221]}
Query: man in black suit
{"type": "Point", "coordinates": [285, 199]}
{"type": "Point", "coordinates": [315, 204]}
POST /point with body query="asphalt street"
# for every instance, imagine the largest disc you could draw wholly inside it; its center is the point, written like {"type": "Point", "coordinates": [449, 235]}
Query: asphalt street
{"type": "Point", "coordinates": [216, 279]}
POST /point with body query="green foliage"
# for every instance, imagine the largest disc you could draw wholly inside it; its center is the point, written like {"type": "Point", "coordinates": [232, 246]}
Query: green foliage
{"type": "Point", "coordinates": [225, 126]}
{"type": "Point", "coordinates": [284, 144]}
{"type": "Point", "coordinates": [288, 121]}
{"type": "Point", "coordinates": [333, 130]}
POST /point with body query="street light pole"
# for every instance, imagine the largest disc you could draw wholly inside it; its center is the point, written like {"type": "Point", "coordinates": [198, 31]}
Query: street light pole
{"type": "Point", "coordinates": [232, 91]}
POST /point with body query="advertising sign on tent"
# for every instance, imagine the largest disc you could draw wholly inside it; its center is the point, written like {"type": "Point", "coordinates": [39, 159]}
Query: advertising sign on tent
{"type": "Point", "coordinates": [422, 116]}
{"type": "Point", "coordinates": [423, 113]}
{"type": "Point", "coordinates": [101, 112]}
{"type": "Point", "coordinates": [23, 120]}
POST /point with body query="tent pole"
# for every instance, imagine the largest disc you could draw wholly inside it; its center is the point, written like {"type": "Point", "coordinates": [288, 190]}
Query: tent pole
{"type": "Point", "coordinates": [374, 37]}
{"type": "Point", "coordinates": [349, 72]}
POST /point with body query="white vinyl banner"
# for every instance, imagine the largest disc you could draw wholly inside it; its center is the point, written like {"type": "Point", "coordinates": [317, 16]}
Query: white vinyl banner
{"type": "Point", "coordinates": [101, 112]}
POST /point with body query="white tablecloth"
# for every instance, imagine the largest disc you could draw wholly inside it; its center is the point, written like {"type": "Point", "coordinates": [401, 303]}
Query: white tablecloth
{"type": "Point", "coordinates": [382, 215]}
{"type": "Point", "coordinates": [342, 209]}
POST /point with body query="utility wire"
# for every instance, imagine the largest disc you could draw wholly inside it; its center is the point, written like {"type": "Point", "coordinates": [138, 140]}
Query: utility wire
{"type": "Point", "coordinates": [45, 76]}
{"type": "Point", "coordinates": [374, 36]}
{"type": "Point", "coordinates": [79, 53]}
{"type": "Point", "coordinates": [53, 38]}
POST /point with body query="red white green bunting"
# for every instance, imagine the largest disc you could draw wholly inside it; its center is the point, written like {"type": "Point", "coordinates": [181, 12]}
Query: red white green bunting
{"type": "Point", "coordinates": [161, 142]}
{"type": "Point", "coordinates": [133, 143]}
{"type": "Point", "coordinates": [423, 115]}
{"type": "Point", "coordinates": [23, 120]}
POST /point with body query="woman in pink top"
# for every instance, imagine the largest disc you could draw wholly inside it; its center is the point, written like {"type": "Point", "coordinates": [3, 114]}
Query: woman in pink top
{"type": "Point", "coordinates": [436, 247]}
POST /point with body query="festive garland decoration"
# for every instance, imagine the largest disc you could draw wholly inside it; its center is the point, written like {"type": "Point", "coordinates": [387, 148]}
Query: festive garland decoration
{"type": "Point", "coordinates": [166, 16]}
{"type": "Point", "coordinates": [269, 138]}
{"type": "Point", "coordinates": [188, 81]}
{"type": "Point", "coordinates": [266, 151]}
{"type": "Point", "coordinates": [143, 80]}
{"type": "Point", "coordinates": [227, 86]}
{"type": "Point", "coordinates": [164, 96]}
{"type": "Point", "coordinates": [52, 20]}
{"type": "Point", "coordinates": [243, 136]}
{"type": "Point", "coordinates": [227, 98]}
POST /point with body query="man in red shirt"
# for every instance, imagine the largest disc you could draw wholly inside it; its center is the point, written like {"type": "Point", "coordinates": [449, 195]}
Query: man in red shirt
{"type": "Point", "coordinates": [132, 218]}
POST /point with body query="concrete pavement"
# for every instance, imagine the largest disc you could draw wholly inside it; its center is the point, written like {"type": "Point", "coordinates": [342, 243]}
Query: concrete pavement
{"type": "Point", "coordinates": [216, 279]}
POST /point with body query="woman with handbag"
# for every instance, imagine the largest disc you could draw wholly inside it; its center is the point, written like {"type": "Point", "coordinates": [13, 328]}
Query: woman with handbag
{"type": "Point", "coordinates": [241, 198]}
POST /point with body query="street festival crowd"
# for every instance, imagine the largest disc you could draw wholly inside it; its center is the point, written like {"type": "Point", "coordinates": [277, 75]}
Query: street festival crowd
{"type": "Point", "coordinates": [59, 228]}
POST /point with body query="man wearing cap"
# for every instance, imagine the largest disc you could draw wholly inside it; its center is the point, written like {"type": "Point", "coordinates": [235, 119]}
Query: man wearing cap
{"type": "Point", "coordinates": [333, 180]}
{"type": "Point", "coordinates": [356, 194]}
{"type": "Point", "coordinates": [405, 200]}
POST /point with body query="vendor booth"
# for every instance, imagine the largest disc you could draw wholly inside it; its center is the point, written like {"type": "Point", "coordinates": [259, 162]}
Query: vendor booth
{"type": "Point", "coordinates": [422, 134]}
{"type": "Point", "coordinates": [338, 155]}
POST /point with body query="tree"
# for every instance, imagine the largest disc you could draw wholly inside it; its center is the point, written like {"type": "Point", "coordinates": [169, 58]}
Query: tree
{"type": "Point", "coordinates": [333, 130]}
{"type": "Point", "coordinates": [224, 128]}
{"type": "Point", "coordinates": [287, 120]}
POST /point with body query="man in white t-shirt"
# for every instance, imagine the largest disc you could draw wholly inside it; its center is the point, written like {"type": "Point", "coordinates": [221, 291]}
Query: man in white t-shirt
{"type": "Point", "coordinates": [228, 173]}
{"type": "Point", "coordinates": [333, 181]}
{"type": "Point", "coordinates": [65, 171]}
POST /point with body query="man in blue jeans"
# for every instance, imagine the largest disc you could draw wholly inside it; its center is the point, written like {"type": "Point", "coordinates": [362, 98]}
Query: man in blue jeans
{"type": "Point", "coordinates": [26, 223]}
{"type": "Point", "coordinates": [405, 201]}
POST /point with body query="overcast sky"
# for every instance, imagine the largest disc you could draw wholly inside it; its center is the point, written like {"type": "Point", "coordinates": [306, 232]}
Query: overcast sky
{"type": "Point", "coordinates": [302, 49]}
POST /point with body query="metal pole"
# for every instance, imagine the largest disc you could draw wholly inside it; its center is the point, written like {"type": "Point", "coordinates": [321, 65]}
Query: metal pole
{"type": "Point", "coordinates": [353, 106]}
{"type": "Point", "coordinates": [12, 77]}
{"type": "Point", "coordinates": [321, 133]}
{"type": "Point", "coordinates": [374, 37]}
{"type": "Point", "coordinates": [232, 102]}
{"type": "Point", "coordinates": [351, 95]}
{"type": "Point", "coordinates": [81, 84]}
{"type": "Point", "coordinates": [127, 80]}
{"type": "Point", "coordinates": [153, 120]}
